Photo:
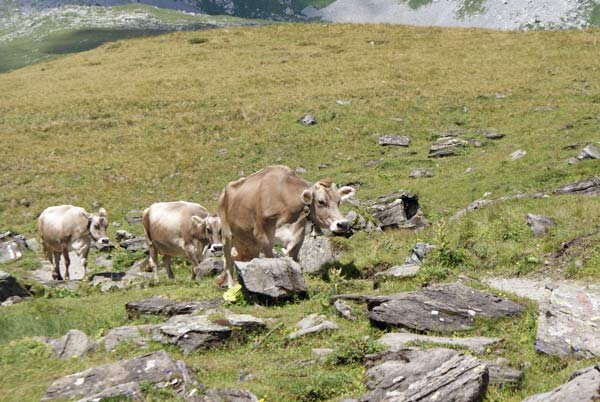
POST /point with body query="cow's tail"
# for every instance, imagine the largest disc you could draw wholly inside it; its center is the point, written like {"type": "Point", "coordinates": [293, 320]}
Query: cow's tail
{"type": "Point", "coordinates": [146, 224]}
{"type": "Point", "coordinates": [223, 201]}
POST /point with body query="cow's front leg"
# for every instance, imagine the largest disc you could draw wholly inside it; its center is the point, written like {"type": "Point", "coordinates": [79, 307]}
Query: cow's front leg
{"type": "Point", "coordinates": [56, 262]}
{"type": "Point", "coordinates": [153, 260]}
{"type": "Point", "coordinates": [167, 262]}
{"type": "Point", "coordinates": [83, 253]}
{"type": "Point", "coordinates": [65, 253]}
{"type": "Point", "coordinates": [195, 262]}
{"type": "Point", "coordinates": [226, 275]}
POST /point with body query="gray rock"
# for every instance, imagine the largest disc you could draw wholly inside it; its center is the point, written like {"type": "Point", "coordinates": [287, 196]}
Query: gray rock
{"type": "Point", "coordinates": [501, 375]}
{"type": "Point", "coordinates": [210, 266]}
{"type": "Point", "coordinates": [134, 244]}
{"type": "Point", "coordinates": [446, 146]}
{"type": "Point", "coordinates": [167, 307]}
{"type": "Point", "coordinates": [322, 352]}
{"type": "Point", "coordinates": [12, 246]}
{"type": "Point", "coordinates": [73, 344]}
{"type": "Point", "coordinates": [403, 212]}
{"type": "Point", "coordinates": [131, 390]}
{"type": "Point", "coordinates": [152, 368]}
{"type": "Point", "coordinates": [418, 253]}
{"type": "Point", "coordinates": [271, 279]}
{"type": "Point", "coordinates": [420, 173]}
{"type": "Point", "coordinates": [315, 254]}
{"type": "Point", "coordinates": [586, 187]}
{"type": "Point", "coordinates": [398, 340]}
{"type": "Point", "coordinates": [307, 120]}
{"type": "Point", "coordinates": [414, 374]}
{"type": "Point", "coordinates": [518, 154]}
{"type": "Point", "coordinates": [443, 308]}
{"type": "Point", "coordinates": [228, 395]}
{"type": "Point", "coordinates": [10, 287]}
{"type": "Point", "coordinates": [397, 140]}
{"type": "Point", "coordinates": [12, 300]}
{"type": "Point", "coordinates": [134, 216]}
{"type": "Point", "coordinates": [104, 261]}
{"type": "Point", "coordinates": [539, 224]}
{"type": "Point", "coordinates": [530, 289]}
{"type": "Point", "coordinates": [245, 322]}
{"type": "Point", "coordinates": [344, 310]}
{"type": "Point", "coordinates": [109, 281]}
{"type": "Point", "coordinates": [400, 271]}
{"type": "Point", "coordinates": [135, 334]}
{"type": "Point", "coordinates": [312, 324]}
{"type": "Point", "coordinates": [191, 332]}
{"type": "Point", "coordinates": [33, 245]}
{"type": "Point", "coordinates": [121, 235]}
{"type": "Point", "coordinates": [589, 152]}
{"type": "Point", "coordinates": [300, 170]}
{"type": "Point", "coordinates": [492, 135]}
{"type": "Point", "coordinates": [583, 386]}
{"type": "Point", "coordinates": [343, 102]}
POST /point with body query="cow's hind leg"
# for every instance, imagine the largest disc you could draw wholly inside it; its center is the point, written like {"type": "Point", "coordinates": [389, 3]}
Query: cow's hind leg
{"type": "Point", "coordinates": [65, 253]}
{"type": "Point", "coordinates": [167, 262]}
{"type": "Point", "coordinates": [153, 260]}
{"type": "Point", "coordinates": [56, 262]}
{"type": "Point", "coordinates": [195, 264]}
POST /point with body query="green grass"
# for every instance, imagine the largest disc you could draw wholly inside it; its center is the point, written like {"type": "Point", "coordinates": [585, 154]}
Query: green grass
{"type": "Point", "coordinates": [166, 118]}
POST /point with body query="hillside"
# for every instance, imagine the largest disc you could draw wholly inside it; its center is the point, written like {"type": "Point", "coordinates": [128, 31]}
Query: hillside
{"type": "Point", "coordinates": [178, 116]}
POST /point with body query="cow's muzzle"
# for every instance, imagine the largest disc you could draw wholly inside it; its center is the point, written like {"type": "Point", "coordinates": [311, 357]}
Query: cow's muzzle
{"type": "Point", "coordinates": [340, 226]}
{"type": "Point", "coordinates": [103, 240]}
{"type": "Point", "coordinates": [214, 248]}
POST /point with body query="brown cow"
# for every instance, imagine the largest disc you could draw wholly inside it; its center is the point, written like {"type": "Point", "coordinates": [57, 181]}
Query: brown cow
{"type": "Point", "coordinates": [65, 228]}
{"type": "Point", "coordinates": [272, 205]}
{"type": "Point", "coordinates": [180, 228]}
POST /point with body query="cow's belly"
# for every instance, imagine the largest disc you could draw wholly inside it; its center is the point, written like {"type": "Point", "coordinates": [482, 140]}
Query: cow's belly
{"type": "Point", "coordinates": [171, 248]}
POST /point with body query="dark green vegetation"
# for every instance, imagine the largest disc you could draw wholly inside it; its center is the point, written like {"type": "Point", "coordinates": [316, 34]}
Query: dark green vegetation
{"type": "Point", "coordinates": [173, 117]}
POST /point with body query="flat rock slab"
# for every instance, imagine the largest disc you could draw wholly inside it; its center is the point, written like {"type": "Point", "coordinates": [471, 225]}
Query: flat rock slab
{"type": "Point", "coordinates": [191, 332]}
{"type": "Point", "coordinates": [12, 247]}
{"type": "Point", "coordinates": [130, 391]}
{"type": "Point", "coordinates": [397, 140]}
{"type": "Point", "coordinates": [585, 187]}
{"type": "Point", "coordinates": [414, 374]}
{"type": "Point", "coordinates": [134, 244]}
{"type": "Point", "coordinates": [167, 307]}
{"type": "Point", "coordinates": [73, 344]}
{"type": "Point", "coordinates": [210, 266]}
{"type": "Point", "coordinates": [312, 324]}
{"type": "Point", "coordinates": [589, 152]}
{"type": "Point", "coordinates": [344, 310]}
{"type": "Point", "coordinates": [568, 315]}
{"type": "Point", "coordinates": [136, 334]}
{"type": "Point", "coordinates": [398, 340]}
{"type": "Point", "coordinates": [504, 376]}
{"type": "Point", "coordinates": [443, 308]}
{"type": "Point", "coordinates": [400, 271]}
{"type": "Point", "coordinates": [446, 146]}
{"type": "Point", "coordinates": [583, 386]}
{"type": "Point", "coordinates": [151, 368]}
{"type": "Point", "coordinates": [420, 173]}
{"type": "Point", "coordinates": [10, 287]}
{"type": "Point", "coordinates": [271, 279]}
{"type": "Point", "coordinates": [315, 254]}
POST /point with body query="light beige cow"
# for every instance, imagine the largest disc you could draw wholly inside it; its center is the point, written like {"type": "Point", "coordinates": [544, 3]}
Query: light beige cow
{"type": "Point", "coordinates": [65, 228]}
{"type": "Point", "coordinates": [180, 228]}
{"type": "Point", "coordinates": [273, 205]}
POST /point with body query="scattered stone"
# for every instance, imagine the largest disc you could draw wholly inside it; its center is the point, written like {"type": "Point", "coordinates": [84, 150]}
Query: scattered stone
{"type": "Point", "coordinates": [312, 324]}
{"type": "Point", "coordinates": [400, 271]}
{"type": "Point", "coordinates": [398, 340]}
{"type": "Point", "coordinates": [397, 140]}
{"type": "Point", "coordinates": [469, 170]}
{"type": "Point", "coordinates": [418, 253]}
{"type": "Point", "coordinates": [501, 375]}
{"type": "Point", "coordinates": [442, 308]}
{"type": "Point", "coordinates": [73, 344]}
{"type": "Point", "coordinates": [307, 120]}
{"type": "Point", "coordinates": [210, 266]}
{"type": "Point", "coordinates": [398, 210]}
{"type": "Point", "coordinates": [589, 152]}
{"type": "Point", "coordinates": [572, 161]}
{"type": "Point", "coordinates": [484, 201]}
{"type": "Point", "coordinates": [342, 102]}
{"type": "Point", "coordinates": [167, 307]}
{"type": "Point", "coordinates": [446, 146]}
{"type": "Point", "coordinates": [134, 244]}
{"type": "Point", "coordinates": [583, 386]}
{"type": "Point", "coordinates": [271, 279]}
{"type": "Point", "coordinates": [134, 216]}
{"type": "Point", "coordinates": [526, 288]}
{"type": "Point", "coordinates": [153, 368]}
{"type": "Point", "coordinates": [12, 246]}
{"type": "Point", "coordinates": [415, 374]}
{"type": "Point", "coordinates": [315, 254]}
{"type": "Point", "coordinates": [358, 222]}
{"type": "Point", "coordinates": [548, 108]}
{"type": "Point", "coordinates": [587, 187]}
{"type": "Point", "coordinates": [344, 310]}
{"type": "Point", "coordinates": [121, 235]}
{"type": "Point", "coordinates": [33, 245]}
{"type": "Point", "coordinates": [492, 135]}
{"type": "Point", "coordinates": [228, 395]}
{"type": "Point", "coordinates": [322, 352]}
{"type": "Point", "coordinates": [322, 166]}
{"type": "Point", "coordinates": [500, 95]}
{"type": "Point", "coordinates": [539, 224]}
{"type": "Point", "coordinates": [300, 170]}
{"type": "Point", "coordinates": [420, 173]}
{"type": "Point", "coordinates": [191, 332]}
{"type": "Point", "coordinates": [136, 334]}
{"type": "Point", "coordinates": [371, 163]}
{"type": "Point", "coordinates": [244, 322]}
{"type": "Point", "coordinates": [518, 154]}
{"type": "Point", "coordinates": [10, 287]}
{"type": "Point", "coordinates": [476, 143]}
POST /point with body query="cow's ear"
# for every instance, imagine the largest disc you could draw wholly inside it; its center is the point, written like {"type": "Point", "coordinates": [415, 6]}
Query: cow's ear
{"type": "Point", "coordinates": [198, 223]}
{"type": "Point", "coordinates": [346, 192]}
{"type": "Point", "coordinates": [307, 196]}
{"type": "Point", "coordinates": [102, 213]}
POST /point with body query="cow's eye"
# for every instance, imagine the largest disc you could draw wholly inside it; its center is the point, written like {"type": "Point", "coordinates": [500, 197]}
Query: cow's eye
{"type": "Point", "coordinates": [322, 203]}
{"type": "Point", "coordinates": [209, 230]}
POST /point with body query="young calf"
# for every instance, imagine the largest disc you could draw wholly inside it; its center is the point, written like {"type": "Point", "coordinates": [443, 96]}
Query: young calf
{"type": "Point", "coordinates": [180, 228]}
{"type": "Point", "coordinates": [65, 228]}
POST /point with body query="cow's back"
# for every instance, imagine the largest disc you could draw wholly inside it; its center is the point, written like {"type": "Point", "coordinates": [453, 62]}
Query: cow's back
{"type": "Point", "coordinates": [169, 224]}
{"type": "Point", "coordinates": [60, 224]}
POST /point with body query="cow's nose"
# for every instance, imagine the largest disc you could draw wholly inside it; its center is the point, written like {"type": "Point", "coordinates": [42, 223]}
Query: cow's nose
{"type": "Point", "coordinates": [104, 240]}
{"type": "Point", "coordinates": [340, 226]}
{"type": "Point", "coordinates": [216, 247]}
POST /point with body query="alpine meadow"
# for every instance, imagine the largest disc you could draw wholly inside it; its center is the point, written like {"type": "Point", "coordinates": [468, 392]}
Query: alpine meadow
{"type": "Point", "coordinates": [178, 116]}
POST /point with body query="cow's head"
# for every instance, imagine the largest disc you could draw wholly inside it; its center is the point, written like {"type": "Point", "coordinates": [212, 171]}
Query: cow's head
{"type": "Point", "coordinates": [97, 225]}
{"type": "Point", "coordinates": [209, 230]}
{"type": "Point", "coordinates": [323, 198]}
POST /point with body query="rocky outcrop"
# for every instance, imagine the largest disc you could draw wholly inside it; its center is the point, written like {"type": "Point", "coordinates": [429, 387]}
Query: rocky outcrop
{"type": "Point", "coordinates": [227, 395]}
{"type": "Point", "coordinates": [442, 308]}
{"type": "Point", "coordinates": [583, 386]}
{"type": "Point", "coordinates": [271, 279]}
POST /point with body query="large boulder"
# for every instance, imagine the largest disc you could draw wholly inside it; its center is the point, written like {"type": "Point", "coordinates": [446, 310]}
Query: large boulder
{"type": "Point", "coordinates": [271, 279]}
{"type": "Point", "coordinates": [153, 368]}
{"type": "Point", "coordinates": [414, 374]}
{"type": "Point", "coordinates": [10, 287]}
{"type": "Point", "coordinates": [398, 210]}
{"type": "Point", "coordinates": [443, 308]}
{"type": "Point", "coordinates": [583, 386]}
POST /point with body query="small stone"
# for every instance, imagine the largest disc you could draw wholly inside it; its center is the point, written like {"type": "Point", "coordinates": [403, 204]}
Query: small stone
{"type": "Point", "coordinates": [312, 324]}
{"type": "Point", "coordinates": [121, 235]}
{"type": "Point", "coordinates": [307, 120]}
{"type": "Point", "coordinates": [344, 310]}
{"type": "Point", "coordinates": [500, 95]}
{"type": "Point", "coordinates": [492, 135]}
{"type": "Point", "coordinates": [518, 154]}
{"type": "Point", "coordinates": [322, 352]}
{"type": "Point", "coordinates": [539, 224]}
{"type": "Point", "coordinates": [398, 140]}
{"type": "Point", "coordinates": [33, 245]}
{"type": "Point", "coordinates": [342, 102]}
{"type": "Point", "coordinates": [420, 173]}
{"type": "Point", "coordinates": [25, 203]}
{"type": "Point", "coordinates": [469, 170]}
{"type": "Point", "coordinates": [300, 170]}
{"type": "Point", "coordinates": [589, 152]}
{"type": "Point", "coordinates": [134, 216]}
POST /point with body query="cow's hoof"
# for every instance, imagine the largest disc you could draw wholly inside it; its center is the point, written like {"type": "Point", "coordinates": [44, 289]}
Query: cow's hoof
{"type": "Point", "coordinates": [57, 277]}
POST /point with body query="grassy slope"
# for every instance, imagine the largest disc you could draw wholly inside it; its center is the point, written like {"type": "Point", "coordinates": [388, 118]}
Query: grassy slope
{"type": "Point", "coordinates": [161, 118]}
